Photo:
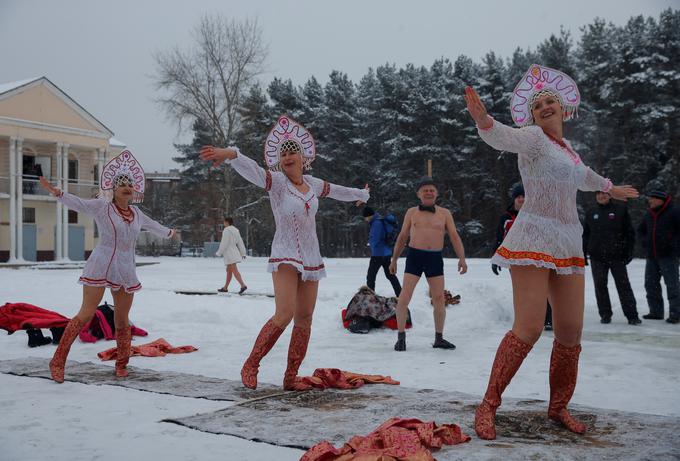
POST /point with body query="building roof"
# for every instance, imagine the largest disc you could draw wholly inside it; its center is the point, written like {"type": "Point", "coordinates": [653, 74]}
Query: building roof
{"type": "Point", "coordinates": [116, 142]}
{"type": "Point", "coordinates": [20, 85]}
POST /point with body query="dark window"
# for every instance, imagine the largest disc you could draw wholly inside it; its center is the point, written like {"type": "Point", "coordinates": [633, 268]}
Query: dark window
{"type": "Point", "coordinates": [96, 230]}
{"type": "Point", "coordinates": [73, 171]}
{"type": "Point", "coordinates": [96, 174]}
{"type": "Point", "coordinates": [29, 215]}
{"type": "Point", "coordinates": [72, 217]}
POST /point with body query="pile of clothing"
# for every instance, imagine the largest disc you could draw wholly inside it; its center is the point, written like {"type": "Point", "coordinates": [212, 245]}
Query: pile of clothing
{"type": "Point", "coordinates": [367, 310]}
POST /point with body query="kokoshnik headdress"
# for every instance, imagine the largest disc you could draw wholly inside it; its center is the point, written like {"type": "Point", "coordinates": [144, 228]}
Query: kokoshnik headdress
{"type": "Point", "coordinates": [288, 135]}
{"type": "Point", "coordinates": [540, 81]}
{"type": "Point", "coordinates": [124, 168]}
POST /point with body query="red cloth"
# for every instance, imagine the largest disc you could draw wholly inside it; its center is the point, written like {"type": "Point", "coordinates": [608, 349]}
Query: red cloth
{"type": "Point", "coordinates": [390, 323]}
{"type": "Point", "coordinates": [101, 325]}
{"type": "Point", "coordinates": [157, 348]}
{"type": "Point", "coordinates": [17, 316]}
{"type": "Point", "coordinates": [395, 439]}
{"type": "Point", "coordinates": [333, 378]}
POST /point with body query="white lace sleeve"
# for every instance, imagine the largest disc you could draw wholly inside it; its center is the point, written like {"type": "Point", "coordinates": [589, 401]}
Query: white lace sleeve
{"type": "Point", "coordinates": [527, 141]}
{"type": "Point", "coordinates": [591, 181]}
{"type": "Point", "coordinates": [254, 173]}
{"type": "Point", "coordinates": [88, 206]}
{"type": "Point", "coordinates": [341, 193]}
{"type": "Point", "coordinates": [152, 226]}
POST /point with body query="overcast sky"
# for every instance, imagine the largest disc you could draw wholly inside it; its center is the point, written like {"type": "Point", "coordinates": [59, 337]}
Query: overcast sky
{"type": "Point", "coordinates": [100, 53]}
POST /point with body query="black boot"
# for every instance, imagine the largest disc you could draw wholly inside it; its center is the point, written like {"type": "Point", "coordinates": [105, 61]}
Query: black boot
{"type": "Point", "coordinates": [441, 343]}
{"type": "Point", "coordinates": [56, 334]}
{"type": "Point", "coordinates": [36, 338]}
{"type": "Point", "coordinates": [401, 341]}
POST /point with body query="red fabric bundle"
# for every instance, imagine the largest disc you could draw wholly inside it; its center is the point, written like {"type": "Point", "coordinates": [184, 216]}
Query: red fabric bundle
{"type": "Point", "coordinates": [19, 316]}
{"type": "Point", "coordinates": [395, 439]}
{"type": "Point", "coordinates": [333, 378]}
{"type": "Point", "coordinates": [157, 348]}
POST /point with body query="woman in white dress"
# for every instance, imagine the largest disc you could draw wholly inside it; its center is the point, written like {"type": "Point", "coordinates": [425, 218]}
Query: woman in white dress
{"type": "Point", "coordinates": [112, 262]}
{"type": "Point", "coordinates": [544, 245]}
{"type": "Point", "coordinates": [295, 262]}
{"type": "Point", "coordinates": [233, 251]}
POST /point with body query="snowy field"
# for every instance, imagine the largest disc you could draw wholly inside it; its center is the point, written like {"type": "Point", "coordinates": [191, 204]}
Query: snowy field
{"type": "Point", "coordinates": [631, 368]}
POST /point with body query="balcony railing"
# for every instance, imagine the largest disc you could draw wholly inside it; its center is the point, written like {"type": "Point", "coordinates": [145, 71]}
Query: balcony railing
{"type": "Point", "coordinates": [31, 186]}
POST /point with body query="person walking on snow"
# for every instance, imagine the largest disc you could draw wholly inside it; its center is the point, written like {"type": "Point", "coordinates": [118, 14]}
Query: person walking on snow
{"type": "Point", "coordinates": [233, 251]}
{"type": "Point", "coordinates": [608, 242]}
{"type": "Point", "coordinates": [112, 262]}
{"type": "Point", "coordinates": [295, 262]}
{"type": "Point", "coordinates": [544, 247]}
{"type": "Point", "coordinates": [381, 250]}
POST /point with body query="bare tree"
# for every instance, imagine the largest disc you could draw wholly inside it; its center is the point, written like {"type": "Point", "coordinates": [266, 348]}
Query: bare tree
{"type": "Point", "coordinates": [209, 81]}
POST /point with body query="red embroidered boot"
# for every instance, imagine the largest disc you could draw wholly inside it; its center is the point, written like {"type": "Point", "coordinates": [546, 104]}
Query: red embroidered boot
{"type": "Point", "coordinates": [509, 356]}
{"type": "Point", "coordinates": [265, 341]}
{"type": "Point", "coordinates": [58, 361]}
{"type": "Point", "coordinates": [563, 371]}
{"type": "Point", "coordinates": [123, 343]}
{"type": "Point", "coordinates": [296, 354]}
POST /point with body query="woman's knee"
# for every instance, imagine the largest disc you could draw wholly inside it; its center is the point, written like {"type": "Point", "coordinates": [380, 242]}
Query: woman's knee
{"type": "Point", "coordinates": [283, 318]}
{"type": "Point", "coordinates": [568, 336]}
{"type": "Point", "coordinates": [528, 335]}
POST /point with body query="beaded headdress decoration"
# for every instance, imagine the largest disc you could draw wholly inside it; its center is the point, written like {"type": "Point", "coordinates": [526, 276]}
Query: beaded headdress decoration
{"type": "Point", "coordinates": [540, 81]}
{"type": "Point", "coordinates": [287, 135]}
{"type": "Point", "coordinates": [122, 169]}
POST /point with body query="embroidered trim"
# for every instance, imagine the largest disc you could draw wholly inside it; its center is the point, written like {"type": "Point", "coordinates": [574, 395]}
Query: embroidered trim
{"type": "Point", "coordinates": [536, 256]}
{"type": "Point", "coordinates": [115, 241]}
{"type": "Point", "coordinates": [574, 156]}
{"type": "Point", "coordinates": [267, 180]}
{"type": "Point", "coordinates": [608, 187]}
{"type": "Point", "coordinates": [326, 189]}
{"type": "Point", "coordinates": [109, 284]}
{"type": "Point", "coordinates": [307, 268]}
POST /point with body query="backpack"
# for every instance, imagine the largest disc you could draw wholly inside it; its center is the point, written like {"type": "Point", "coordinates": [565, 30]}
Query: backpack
{"type": "Point", "coordinates": [391, 227]}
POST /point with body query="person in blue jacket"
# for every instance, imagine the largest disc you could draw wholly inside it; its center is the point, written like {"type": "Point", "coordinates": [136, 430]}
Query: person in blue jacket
{"type": "Point", "coordinates": [381, 238]}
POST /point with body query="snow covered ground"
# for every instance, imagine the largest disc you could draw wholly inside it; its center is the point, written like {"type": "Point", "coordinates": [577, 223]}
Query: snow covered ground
{"type": "Point", "coordinates": [622, 367]}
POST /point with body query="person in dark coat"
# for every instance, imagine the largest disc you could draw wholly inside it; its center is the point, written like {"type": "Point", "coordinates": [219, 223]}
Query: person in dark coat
{"type": "Point", "coordinates": [659, 234]}
{"type": "Point", "coordinates": [504, 225]}
{"type": "Point", "coordinates": [609, 240]}
{"type": "Point", "coordinates": [381, 250]}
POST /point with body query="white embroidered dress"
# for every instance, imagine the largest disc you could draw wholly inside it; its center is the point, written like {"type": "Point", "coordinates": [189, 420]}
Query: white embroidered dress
{"type": "Point", "coordinates": [112, 262]}
{"type": "Point", "coordinates": [295, 241]}
{"type": "Point", "coordinates": [547, 231]}
{"type": "Point", "coordinates": [231, 247]}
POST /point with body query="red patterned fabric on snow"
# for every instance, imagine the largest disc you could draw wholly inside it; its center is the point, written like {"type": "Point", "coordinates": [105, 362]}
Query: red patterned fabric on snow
{"type": "Point", "coordinates": [395, 439]}
{"type": "Point", "coordinates": [157, 348]}
{"type": "Point", "coordinates": [333, 378]}
{"type": "Point", "coordinates": [17, 316]}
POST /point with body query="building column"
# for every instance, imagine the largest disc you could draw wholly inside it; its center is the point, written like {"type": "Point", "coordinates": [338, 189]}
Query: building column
{"type": "Point", "coordinates": [101, 160]}
{"type": "Point", "coordinates": [64, 187]}
{"type": "Point", "coordinates": [20, 198]}
{"type": "Point", "coordinates": [12, 200]}
{"type": "Point", "coordinates": [58, 253]}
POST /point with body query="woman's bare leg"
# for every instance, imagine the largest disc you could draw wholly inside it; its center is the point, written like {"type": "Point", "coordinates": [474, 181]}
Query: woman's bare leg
{"type": "Point", "coordinates": [299, 340]}
{"type": "Point", "coordinates": [123, 303]}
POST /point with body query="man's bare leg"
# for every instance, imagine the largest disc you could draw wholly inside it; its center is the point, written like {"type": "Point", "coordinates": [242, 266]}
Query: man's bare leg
{"type": "Point", "coordinates": [409, 285]}
{"type": "Point", "coordinates": [439, 311]}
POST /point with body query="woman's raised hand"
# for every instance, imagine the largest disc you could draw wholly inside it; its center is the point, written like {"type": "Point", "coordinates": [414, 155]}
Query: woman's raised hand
{"type": "Point", "coordinates": [476, 108]}
{"type": "Point", "coordinates": [217, 155]}
{"type": "Point", "coordinates": [49, 187]}
{"type": "Point", "coordinates": [623, 192]}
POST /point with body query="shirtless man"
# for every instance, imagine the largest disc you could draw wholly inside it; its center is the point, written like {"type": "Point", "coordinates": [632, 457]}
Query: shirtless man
{"type": "Point", "coordinates": [426, 225]}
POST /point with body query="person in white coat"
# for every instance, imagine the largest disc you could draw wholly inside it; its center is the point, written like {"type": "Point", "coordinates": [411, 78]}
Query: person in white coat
{"type": "Point", "coordinates": [233, 251]}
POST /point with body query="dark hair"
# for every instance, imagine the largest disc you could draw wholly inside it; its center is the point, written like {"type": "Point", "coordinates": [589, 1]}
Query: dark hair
{"type": "Point", "coordinates": [425, 181]}
{"type": "Point", "coordinates": [367, 211]}
{"type": "Point", "coordinates": [229, 219]}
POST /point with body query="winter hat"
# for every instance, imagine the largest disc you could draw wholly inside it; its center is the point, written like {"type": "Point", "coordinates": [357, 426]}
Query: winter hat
{"type": "Point", "coordinates": [425, 181]}
{"type": "Point", "coordinates": [367, 211]}
{"type": "Point", "coordinates": [517, 190]}
{"type": "Point", "coordinates": [657, 193]}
